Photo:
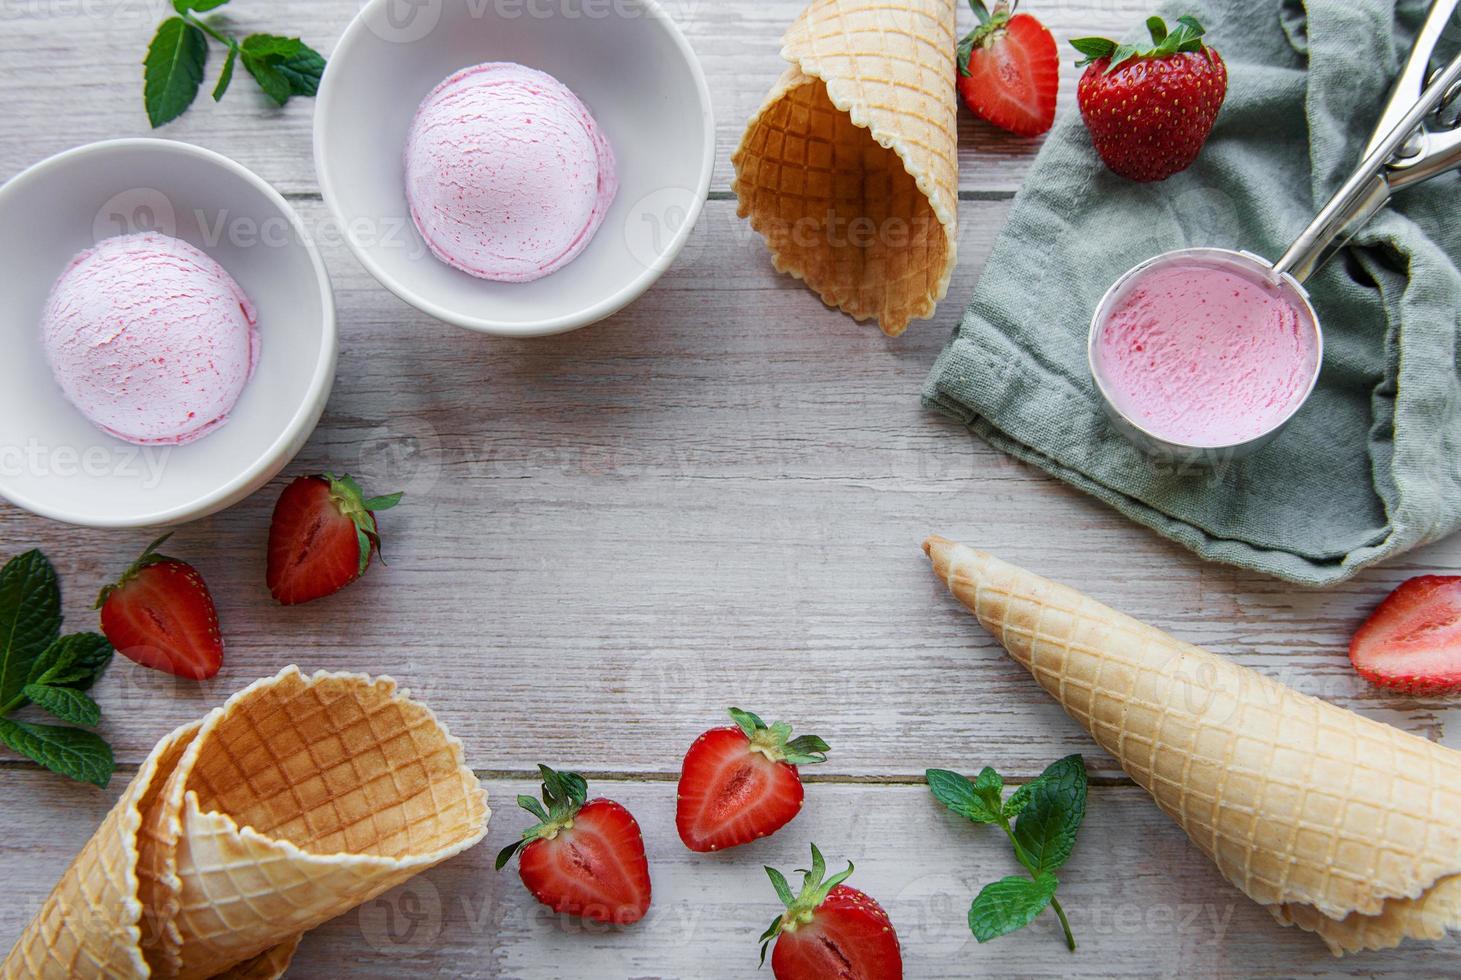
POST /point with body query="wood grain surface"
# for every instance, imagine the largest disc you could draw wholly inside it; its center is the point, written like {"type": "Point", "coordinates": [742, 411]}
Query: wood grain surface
{"type": "Point", "coordinates": [715, 497]}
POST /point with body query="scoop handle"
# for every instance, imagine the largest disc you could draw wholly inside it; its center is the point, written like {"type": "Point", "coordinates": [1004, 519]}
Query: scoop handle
{"type": "Point", "coordinates": [1367, 189]}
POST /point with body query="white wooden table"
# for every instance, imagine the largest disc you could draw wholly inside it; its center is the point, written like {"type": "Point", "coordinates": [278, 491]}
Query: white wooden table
{"type": "Point", "coordinates": [714, 498]}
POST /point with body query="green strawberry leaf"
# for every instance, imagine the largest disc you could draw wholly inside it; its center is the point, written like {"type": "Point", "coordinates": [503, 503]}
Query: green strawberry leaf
{"type": "Point", "coordinates": [1093, 48]}
{"type": "Point", "coordinates": [225, 77]}
{"type": "Point", "coordinates": [30, 620]}
{"type": "Point", "coordinates": [1158, 29]}
{"type": "Point", "coordinates": [1009, 904]}
{"type": "Point", "coordinates": [196, 6]}
{"type": "Point", "coordinates": [1046, 829]}
{"type": "Point", "coordinates": [962, 796]}
{"type": "Point", "coordinates": [173, 70]}
{"type": "Point", "coordinates": [65, 703]}
{"type": "Point", "coordinates": [389, 500]}
{"type": "Point", "coordinates": [74, 661]}
{"type": "Point", "coordinates": [79, 755]}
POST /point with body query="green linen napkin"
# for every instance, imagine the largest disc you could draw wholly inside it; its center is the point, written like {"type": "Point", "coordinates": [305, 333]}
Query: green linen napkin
{"type": "Point", "coordinates": [1371, 467]}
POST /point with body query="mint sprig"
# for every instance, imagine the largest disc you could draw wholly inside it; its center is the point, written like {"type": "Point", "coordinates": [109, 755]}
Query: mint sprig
{"type": "Point", "coordinates": [173, 70]}
{"type": "Point", "coordinates": [1185, 37]}
{"type": "Point", "coordinates": [39, 666]}
{"type": "Point", "coordinates": [1041, 819]}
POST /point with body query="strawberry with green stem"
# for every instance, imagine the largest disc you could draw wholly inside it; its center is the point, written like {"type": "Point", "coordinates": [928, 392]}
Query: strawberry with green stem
{"type": "Point", "coordinates": [160, 614]}
{"type": "Point", "coordinates": [322, 537]}
{"type": "Point", "coordinates": [1150, 108]}
{"type": "Point", "coordinates": [1009, 70]}
{"type": "Point", "coordinates": [830, 930]}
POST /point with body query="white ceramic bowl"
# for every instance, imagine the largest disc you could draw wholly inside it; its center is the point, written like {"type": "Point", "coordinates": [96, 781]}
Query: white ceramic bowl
{"type": "Point", "coordinates": [625, 59]}
{"type": "Point", "coordinates": [56, 463]}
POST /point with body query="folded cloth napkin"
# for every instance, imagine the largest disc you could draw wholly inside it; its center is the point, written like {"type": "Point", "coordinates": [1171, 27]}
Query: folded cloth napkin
{"type": "Point", "coordinates": [1371, 466]}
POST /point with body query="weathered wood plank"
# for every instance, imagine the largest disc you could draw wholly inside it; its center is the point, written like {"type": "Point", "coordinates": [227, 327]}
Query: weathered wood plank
{"type": "Point", "coordinates": [1142, 900]}
{"type": "Point", "coordinates": [714, 498]}
{"type": "Point", "coordinates": [72, 75]}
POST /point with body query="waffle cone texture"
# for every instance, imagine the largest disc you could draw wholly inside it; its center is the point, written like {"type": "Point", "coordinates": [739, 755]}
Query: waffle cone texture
{"type": "Point", "coordinates": [849, 170]}
{"type": "Point", "coordinates": [296, 800]}
{"type": "Point", "coordinates": [1338, 824]}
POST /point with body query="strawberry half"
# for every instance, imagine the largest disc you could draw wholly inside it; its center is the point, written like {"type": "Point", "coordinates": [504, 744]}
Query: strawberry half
{"type": "Point", "coordinates": [1412, 642]}
{"type": "Point", "coordinates": [584, 857]}
{"type": "Point", "coordinates": [322, 537]}
{"type": "Point", "coordinates": [160, 614]}
{"type": "Point", "coordinates": [830, 930]}
{"type": "Point", "coordinates": [1150, 109]}
{"type": "Point", "coordinates": [739, 784]}
{"type": "Point", "coordinates": [1009, 70]}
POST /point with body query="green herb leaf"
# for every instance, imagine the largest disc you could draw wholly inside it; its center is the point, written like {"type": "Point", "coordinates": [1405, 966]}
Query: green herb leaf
{"type": "Point", "coordinates": [276, 87]}
{"type": "Point", "coordinates": [304, 71]}
{"type": "Point", "coordinates": [226, 76]}
{"type": "Point", "coordinates": [962, 796]}
{"type": "Point", "coordinates": [173, 70]}
{"type": "Point", "coordinates": [1018, 800]}
{"type": "Point", "coordinates": [1046, 829]}
{"type": "Point", "coordinates": [74, 661]}
{"type": "Point", "coordinates": [65, 703]}
{"type": "Point", "coordinates": [30, 619]}
{"type": "Point", "coordinates": [1012, 903]}
{"type": "Point", "coordinates": [80, 755]}
{"type": "Point", "coordinates": [197, 6]}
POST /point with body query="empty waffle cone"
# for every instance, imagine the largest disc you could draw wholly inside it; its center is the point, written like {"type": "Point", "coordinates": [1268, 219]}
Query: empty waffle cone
{"type": "Point", "coordinates": [849, 170]}
{"type": "Point", "coordinates": [1338, 824]}
{"type": "Point", "coordinates": [298, 799]}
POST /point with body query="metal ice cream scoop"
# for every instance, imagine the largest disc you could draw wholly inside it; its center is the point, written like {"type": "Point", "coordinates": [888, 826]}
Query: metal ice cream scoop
{"type": "Point", "coordinates": [1418, 137]}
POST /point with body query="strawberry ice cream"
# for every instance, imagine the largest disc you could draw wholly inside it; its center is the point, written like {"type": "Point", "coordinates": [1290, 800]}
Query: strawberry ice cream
{"type": "Point", "coordinates": [507, 173]}
{"type": "Point", "coordinates": [150, 338]}
{"type": "Point", "coordinates": [1206, 354]}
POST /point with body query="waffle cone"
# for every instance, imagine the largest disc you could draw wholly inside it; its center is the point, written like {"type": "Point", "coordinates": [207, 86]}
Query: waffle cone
{"type": "Point", "coordinates": [1338, 824]}
{"type": "Point", "coordinates": [849, 170]}
{"type": "Point", "coordinates": [296, 800]}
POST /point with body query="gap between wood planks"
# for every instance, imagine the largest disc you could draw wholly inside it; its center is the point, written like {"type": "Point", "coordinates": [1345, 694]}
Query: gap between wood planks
{"type": "Point", "coordinates": [964, 195]}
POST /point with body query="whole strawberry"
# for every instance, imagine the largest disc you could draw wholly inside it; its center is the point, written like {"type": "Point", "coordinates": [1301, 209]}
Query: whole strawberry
{"type": "Point", "coordinates": [1150, 109]}
{"type": "Point", "coordinates": [1009, 70]}
{"type": "Point", "coordinates": [160, 614]}
{"type": "Point", "coordinates": [584, 857]}
{"type": "Point", "coordinates": [830, 930]}
{"type": "Point", "coordinates": [740, 783]}
{"type": "Point", "coordinates": [322, 537]}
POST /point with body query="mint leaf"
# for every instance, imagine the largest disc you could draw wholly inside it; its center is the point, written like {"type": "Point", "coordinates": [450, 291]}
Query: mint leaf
{"type": "Point", "coordinates": [80, 755]}
{"type": "Point", "coordinates": [1012, 903]}
{"type": "Point", "coordinates": [1018, 800]}
{"type": "Point", "coordinates": [1046, 829]}
{"type": "Point", "coordinates": [304, 71]}
{"type": "Point", "coordinates": [74, 661]}
{"type": "Point", "coordinates": [272, 46]}
{"type": "Point", "coordinates": [961, 796]}
{"type": "Point", "coordinates": [276, 87]}
{"type": "Point", "coordinates": [173, 70]}
{"type": "Point", "coordinates": [226, 76]}
{"type": "Point", "coordinates": [65, 703]}
{"type": "Point", "coordinates": [30, 619]}
{"type": "Point", "coordinates": [199, 6]}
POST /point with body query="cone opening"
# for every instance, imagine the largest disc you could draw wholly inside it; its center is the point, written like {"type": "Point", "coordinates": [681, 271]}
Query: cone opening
{"type": "Point", "coordinates": [841, 211]}
{"type": "Point", "coordinates": [333, 765]}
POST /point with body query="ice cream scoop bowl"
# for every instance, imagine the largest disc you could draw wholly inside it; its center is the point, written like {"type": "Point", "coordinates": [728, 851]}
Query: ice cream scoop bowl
{"type": "Point", "coordinates": [1405, 150]}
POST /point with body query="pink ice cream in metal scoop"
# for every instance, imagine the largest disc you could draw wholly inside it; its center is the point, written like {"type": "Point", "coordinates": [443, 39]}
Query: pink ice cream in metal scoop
{"type": "Point", "coordinates": [150, 338]}
{"type": "Point", "coordinates": [1205, 355]}
{"type": "Point", "coordinates": [508, 175]}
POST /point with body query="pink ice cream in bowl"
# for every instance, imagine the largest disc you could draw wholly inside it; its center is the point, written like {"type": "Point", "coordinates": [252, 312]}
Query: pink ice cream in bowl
{"type": "Point", "coordinates": [1207, 353]}
{"type": "Point", "coordinates": [515, 170]}
{"type": "Point", "coordinates": [170, 334]}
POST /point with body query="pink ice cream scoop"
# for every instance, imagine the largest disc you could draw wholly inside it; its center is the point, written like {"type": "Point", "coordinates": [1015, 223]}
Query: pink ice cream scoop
{"type": "Point", "coordinates": [507, 173]}
{"type": "Point", "coordinates": [150, 338]}
{"type": "Point", "coordinates": [1205, 354]}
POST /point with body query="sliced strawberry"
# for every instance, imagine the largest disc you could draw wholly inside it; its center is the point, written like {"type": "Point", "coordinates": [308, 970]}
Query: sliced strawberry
{"type": "Point", "coordinates": [322, 537]}
{"type": "Point", "coordinates": [739, 784]}
{"type": "Point", "coordinates": [161, 615]}
{"type": "Point", "coordinates": [830, 930]}
{"type": "Point", "coordinates": [1009, 70]}
{"type": "Point", "coordinates": [1412, 642]}
{"type": "Point", "coordinates": [584, 857]}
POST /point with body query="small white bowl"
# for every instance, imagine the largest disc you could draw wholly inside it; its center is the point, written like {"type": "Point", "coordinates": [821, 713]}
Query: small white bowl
{"type": "Point", "coordinates": [56, 463]}
{"type": "Point", "coordinates": [625, 59]}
